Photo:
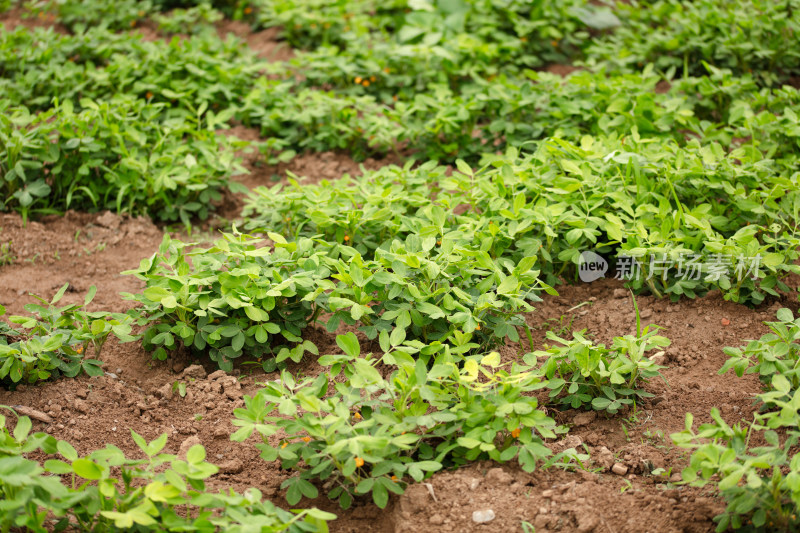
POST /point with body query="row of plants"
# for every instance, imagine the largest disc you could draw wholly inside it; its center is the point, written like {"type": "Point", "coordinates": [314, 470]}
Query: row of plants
{"type": "Point", "coordinates": [114, 154]}
{"type": "Point", "coordinates": [755, 464]}
{"type": "Point", "coordinates": [107, 491]}
{"type": "Point", "coordinates": [221, 82]}
{"type": "Point", "coordinates": [39, 65]}
{"type": "Point", "coordinates": [746, 36]}
{"type": "Point", "coordinates": [241, 297]}
{"type": "Point", "coordinates": [420, 407]}
{"type": "Point", "coordinates": [685, 231]}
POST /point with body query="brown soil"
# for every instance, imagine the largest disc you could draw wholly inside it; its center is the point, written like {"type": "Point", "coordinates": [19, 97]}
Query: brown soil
{"type": "Point", "coordinates": [13, 18]}
{"type": "Point", "coordinates": [264, 43]}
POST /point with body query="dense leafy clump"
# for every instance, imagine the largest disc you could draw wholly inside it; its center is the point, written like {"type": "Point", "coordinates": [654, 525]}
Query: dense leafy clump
{"type": "Point", "coordinates": [374, 434]}
{"type": "Point", "coordinates": [54, 341]}
{"type": "Point", "coordinates": [113, 155]}
{"type": "Point", "coordinates": [233, 299]}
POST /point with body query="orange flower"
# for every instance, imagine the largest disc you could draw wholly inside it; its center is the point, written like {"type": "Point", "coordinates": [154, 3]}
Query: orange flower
{"type": "Point", "coordinates": [357, 415]}
{"type": "Point", "coordinates": [554, 43]}
{"type": "Point", "coordinates": [478, 327]}
{"type": "Point", "coordinates": [306, 439]}
{"type": "Point", "coordinates": [523, 39]}
{"type": "Point", "coordinates": [346, 238]}
{"type": "Point", "coordinates": [394, 97]}
{"type": "Point", "coordinates": [79, 349]}
{"type": "Point", "coordinates": [387, 70]}
{"type": "Point", "coordinates": [148, 95]}
{"type": "Point", "coordinates": [515, 433]}
{"type": "Point", "coordinates": [372, 79]}
{"type": "Point", "coordinates": [358, 80]}
{"type": "Point", "coordinates": [133, 23]}
{"type": "Point", "coordinates": [248, 10]}
{"type": "Point", "coordinates": [365, 83]}
{"type": "Point", "coordinates": [359, 462]}
{"type": "Point", "coordinates": [394, 478]}
{"type": "Point", "coordinates": [284, 445]}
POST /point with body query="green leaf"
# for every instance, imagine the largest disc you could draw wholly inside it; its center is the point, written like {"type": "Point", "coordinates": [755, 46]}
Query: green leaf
{"type": "Point", "coordinates": [87, 469]}
{"type": "Point", "coordinates": [349, 344]}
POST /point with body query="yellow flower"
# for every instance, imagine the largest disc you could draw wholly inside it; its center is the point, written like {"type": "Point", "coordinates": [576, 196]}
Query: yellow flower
{"type": "Point", "coordinates": [365, 83]}
{"type": "Point", "coordinates": [356, 415]}
{"type": "Point", "coordinates": [284, 445]}
{"type": "Point", "coordinates": [372, 79]}
{"type": "Point", "coordinates": [306, 439]}
{"type": "Point", "coordinates": [359, 462]}
{"type": "Point", "coordinates": [358, 80]}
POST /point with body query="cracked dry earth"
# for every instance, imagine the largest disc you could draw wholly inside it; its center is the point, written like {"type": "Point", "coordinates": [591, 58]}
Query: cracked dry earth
{"type": "Point", "coordinates": [137, 393]}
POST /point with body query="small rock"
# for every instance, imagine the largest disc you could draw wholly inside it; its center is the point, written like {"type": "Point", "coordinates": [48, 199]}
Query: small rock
{"type": "Point", "coordinates": [587, 522]}
{"type": "Point", "coordinates": [194, 371]}
{"type": "Point", "coordinates": [108, 220]}
{"type": "Point", "coordinates": [675, 478]}
{"type": "Point", "coordinates": [234, 466]}
{"type": "Point", "coordinates": [498, 476]}
{"type": "Point", "coordinates": [118, 371]}
{"type": "Point", "coordinates": [186, 444]}
{"type": "Point", "coordinates": [414, 499]}
{"type": "Point", "coordinates": [436, 520]}
{"type": "Point", "coordinates": [473, 483]}
{"type": "Point", "coordinates": [619, 293]}
{"type": "Point", "coordinates": [221, 433]}
{"type": "Point", "coordinates": [233, 394]}
{"type": "Point", "coordinates": [177, 366]}
{"type": "Point", "coordinates": [111, 375]}
{"type": "Point", "coordinates": [481, 517]}
{"type": "Point", "coordinates": [33, 413]}
{"type": "Point", "coordinates": [604, 457]}
{"type": "Point", "coordinates": [82, 393]}
{"type": "Point", "coordinates": [216, 375]}
{"type": "Point", "coordinates": [584, 419]}
{"type": "Point", "coordinates": [571, 441]}
{"type": "Point", "coordinates": [646, 313]}
{"type": "Point", "coordinates": [619, 469]}
{"type": "Point", "coordinates": [165, 391]}
{"type": "Point", "coordinates": [81, 406]}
